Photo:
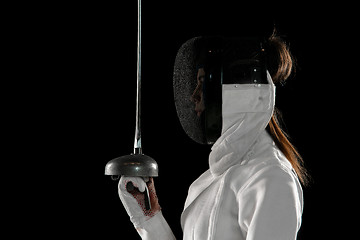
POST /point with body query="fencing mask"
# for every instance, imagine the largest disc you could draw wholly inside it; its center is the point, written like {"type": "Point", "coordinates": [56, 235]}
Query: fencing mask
{"type": "Point", "coordinates": [202, 66]}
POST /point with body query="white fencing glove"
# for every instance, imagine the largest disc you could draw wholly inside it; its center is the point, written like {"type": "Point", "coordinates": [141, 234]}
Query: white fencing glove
{"type": "Point", "coordinates": [150, 224]}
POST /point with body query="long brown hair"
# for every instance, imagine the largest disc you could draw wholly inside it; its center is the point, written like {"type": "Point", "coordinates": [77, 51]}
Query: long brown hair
{"type": "Point", "coordinates": [280, 64]}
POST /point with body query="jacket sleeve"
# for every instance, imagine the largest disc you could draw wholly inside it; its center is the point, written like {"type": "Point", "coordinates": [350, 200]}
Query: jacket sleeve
{"type": "Point", "coordinates": [270, 205]}
{"type": "Point", "coordinates": [156, 228]}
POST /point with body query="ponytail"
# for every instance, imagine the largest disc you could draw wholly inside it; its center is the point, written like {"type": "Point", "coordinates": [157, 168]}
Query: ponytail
{"type": "Point", "coordinates": [280, 64]}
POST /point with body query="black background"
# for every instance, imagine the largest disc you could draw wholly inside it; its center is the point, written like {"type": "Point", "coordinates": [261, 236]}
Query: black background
{"type": "Point", "coordinates": [74, 80]}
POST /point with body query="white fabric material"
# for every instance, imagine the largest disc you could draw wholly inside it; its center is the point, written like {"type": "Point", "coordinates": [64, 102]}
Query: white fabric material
{"type": "Point", "coordinates": [131, 206]}
{"type": "Point", "coordinates": [250, 191]}
{"type": "Point", "coordinates": [149, 228]}
{"type": "Point", "coordinates": [156, 228]}
{"type": "Point", "coordinates": [246, 111]}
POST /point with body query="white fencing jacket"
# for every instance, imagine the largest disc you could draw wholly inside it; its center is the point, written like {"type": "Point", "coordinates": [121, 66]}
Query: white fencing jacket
{"type": "Point", "coordinates": [250, 191]}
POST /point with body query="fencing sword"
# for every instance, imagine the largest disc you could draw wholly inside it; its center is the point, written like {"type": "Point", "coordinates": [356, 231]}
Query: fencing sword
{"type": "Point", "coordinates": [136, 164]}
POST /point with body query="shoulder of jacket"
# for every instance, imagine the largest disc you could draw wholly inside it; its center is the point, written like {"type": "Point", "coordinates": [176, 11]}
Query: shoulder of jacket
{"type": "Point", "coordinates": [240, 176]}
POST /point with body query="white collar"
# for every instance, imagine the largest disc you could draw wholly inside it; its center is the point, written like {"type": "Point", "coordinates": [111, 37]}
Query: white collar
{"type": "Point", "coordinates": [246, 111]}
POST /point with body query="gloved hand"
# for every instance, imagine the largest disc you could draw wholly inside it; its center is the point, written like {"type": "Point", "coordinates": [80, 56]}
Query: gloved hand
{"type": "Point", "coordinates": [150, 224]}
{"type": "Point", "coordinates": [133, 198]}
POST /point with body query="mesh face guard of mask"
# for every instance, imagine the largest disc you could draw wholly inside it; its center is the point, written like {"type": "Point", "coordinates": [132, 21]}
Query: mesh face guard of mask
{"type": "Point", "coordinates": [202, 66]}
